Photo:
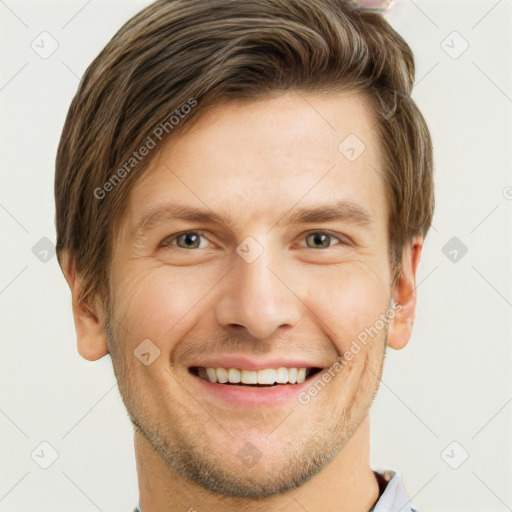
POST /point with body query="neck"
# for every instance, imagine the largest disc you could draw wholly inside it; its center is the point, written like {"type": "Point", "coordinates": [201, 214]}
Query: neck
{"type": "Point", "coordinates": [346, 484]}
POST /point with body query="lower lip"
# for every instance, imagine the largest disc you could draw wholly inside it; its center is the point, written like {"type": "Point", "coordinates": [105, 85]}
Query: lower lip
{"type": "Point", "coordinates": [247, 396]}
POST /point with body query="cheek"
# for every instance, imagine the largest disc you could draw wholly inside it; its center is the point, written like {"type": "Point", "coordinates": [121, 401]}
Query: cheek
{"type": "Point", "coordinates": [350, 300]}
{"type": "Point", "coordinates": [157, 304]}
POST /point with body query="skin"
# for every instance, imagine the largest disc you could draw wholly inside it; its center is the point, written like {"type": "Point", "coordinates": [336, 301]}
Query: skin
{"type": "Point", "coordinates": [256, 161]}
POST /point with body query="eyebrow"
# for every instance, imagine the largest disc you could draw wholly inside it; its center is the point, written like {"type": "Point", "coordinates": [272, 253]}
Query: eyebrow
{"type": "Point", "coordinates": [338, 211]}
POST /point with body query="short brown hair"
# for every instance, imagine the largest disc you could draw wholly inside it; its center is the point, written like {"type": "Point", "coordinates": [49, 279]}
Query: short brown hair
{"type": "Point", "coordinates": [176, 52]}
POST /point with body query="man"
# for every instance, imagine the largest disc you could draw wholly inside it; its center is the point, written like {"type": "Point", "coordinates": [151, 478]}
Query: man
{"type": "Point", "coordinates": [242, 194]}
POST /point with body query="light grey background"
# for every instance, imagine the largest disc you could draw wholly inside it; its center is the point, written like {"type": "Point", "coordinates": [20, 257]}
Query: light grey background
{"type": "Point", "coordinates": [448, 394]}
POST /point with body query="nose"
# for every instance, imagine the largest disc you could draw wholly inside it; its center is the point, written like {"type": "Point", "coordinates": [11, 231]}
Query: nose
{"type": "Point", "coordinates": [258, 297]}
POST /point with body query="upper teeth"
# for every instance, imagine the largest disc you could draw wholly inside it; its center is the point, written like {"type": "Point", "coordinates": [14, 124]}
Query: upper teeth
{"type": "Point", "coordinates": [267, 376]}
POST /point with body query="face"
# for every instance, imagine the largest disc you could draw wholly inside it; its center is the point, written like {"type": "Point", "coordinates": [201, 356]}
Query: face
{"type": "Point", "coordinates": [259, 281]}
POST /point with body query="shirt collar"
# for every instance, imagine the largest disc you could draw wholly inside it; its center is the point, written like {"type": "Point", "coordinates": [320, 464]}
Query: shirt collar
{"type": "Point", "coordinates": [394, 498]}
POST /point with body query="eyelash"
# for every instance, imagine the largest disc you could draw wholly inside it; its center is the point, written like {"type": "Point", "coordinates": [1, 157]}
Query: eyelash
{"type": "Point", "coordinates": [166, 245]}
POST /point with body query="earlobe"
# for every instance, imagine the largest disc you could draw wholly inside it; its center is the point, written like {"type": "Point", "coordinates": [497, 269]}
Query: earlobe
{"type": "Point", "coordinates": [90, 336]}
{"type": "Point", "coordinates": [404, 294]}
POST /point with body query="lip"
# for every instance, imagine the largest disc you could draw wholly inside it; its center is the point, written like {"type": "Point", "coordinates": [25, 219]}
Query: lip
{"type": "Point", "coordinates": [247, 363]}
{"type": "Point", "coordinates": [246, 396]}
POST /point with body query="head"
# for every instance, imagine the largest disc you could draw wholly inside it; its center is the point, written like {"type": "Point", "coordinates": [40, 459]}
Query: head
{"type": "Point", "coordinates": [253, 179]}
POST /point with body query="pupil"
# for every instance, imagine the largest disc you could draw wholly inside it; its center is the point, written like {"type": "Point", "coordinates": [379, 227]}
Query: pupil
{"type": "Point", "coordinates": [321, 237]}
{"type": "Point", "coordinates": [189, 236]}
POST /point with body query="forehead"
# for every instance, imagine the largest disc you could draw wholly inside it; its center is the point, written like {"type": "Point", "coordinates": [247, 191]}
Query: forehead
{"type": "Point", "coordinates": [258, 160]}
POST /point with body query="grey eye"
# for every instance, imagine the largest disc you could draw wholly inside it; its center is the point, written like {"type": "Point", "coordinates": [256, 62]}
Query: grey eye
{"type": "Point", "coordinates": [187, 240]}
{"type": "Point", "coordinates": [321, 238]}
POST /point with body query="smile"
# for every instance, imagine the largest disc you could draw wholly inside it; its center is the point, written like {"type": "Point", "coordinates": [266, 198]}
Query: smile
{"type": "Point", "coordinates": [255, 378]}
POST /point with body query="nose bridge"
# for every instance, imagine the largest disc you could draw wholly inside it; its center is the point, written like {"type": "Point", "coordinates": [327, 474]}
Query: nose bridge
{"type": "Point", "coordinates": [255, 296]}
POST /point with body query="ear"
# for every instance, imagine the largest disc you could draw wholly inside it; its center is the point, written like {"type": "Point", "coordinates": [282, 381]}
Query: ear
{"type": "Point", "coordinates": [90, 336]}
{"type": "Point", "coordinates": [404, 294]}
